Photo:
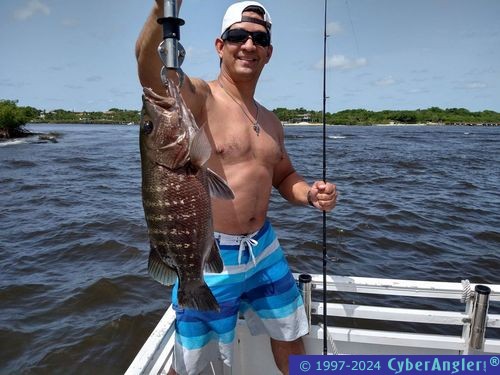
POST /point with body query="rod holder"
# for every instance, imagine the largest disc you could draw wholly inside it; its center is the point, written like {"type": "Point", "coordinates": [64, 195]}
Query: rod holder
{"type": "Point", "coordinates": [305, 287]}
{"type": "Point", "coordinates": [479, 316]}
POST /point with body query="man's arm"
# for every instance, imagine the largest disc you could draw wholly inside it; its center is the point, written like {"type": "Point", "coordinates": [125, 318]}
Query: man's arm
{"type": "Point", "coordinates": [289, 183]}
{"type": "Point", "coordinates": [194, 91]}
{"type": "Point", "coordinates": [295, 189]}
{"type": "Point", "coordinates": [148, 61]}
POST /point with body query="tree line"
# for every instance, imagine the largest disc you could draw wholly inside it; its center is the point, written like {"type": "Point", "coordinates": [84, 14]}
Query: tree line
{"type": "Point", "coordinates": [434, 115]}
{"type": "Point", "coordinates": [111, 116]}
{"type": "Point", "coordinates": [13, 117]}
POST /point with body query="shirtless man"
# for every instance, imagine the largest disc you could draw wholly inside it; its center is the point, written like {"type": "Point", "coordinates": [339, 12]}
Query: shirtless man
{"type": "Point", "coordinates": [249, 152]}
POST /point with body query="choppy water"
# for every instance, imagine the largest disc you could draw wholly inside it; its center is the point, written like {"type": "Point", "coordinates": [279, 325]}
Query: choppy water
{"type": "Point", "coordinates": [416, 203]}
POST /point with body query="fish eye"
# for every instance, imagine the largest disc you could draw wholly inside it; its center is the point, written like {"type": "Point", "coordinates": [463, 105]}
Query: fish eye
{"type": "Point", "coordinates": [147, 127]}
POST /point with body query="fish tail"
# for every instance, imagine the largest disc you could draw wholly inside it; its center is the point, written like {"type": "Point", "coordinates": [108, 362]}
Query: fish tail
{"type": "Point", "coordinates": [197, 296]}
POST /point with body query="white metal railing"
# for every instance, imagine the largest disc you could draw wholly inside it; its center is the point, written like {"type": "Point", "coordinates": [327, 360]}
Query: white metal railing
{"type": "Point", "coordinates": [410, 288]}
{"type": "Point", "coordinates": [157, 350]}
{"type": "Point", "coordinates": [156, 354]}
{"type": "Point", "coordinates": [407, 288]}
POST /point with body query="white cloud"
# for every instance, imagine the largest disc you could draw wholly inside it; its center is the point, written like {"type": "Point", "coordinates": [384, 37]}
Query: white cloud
{"type": "Point", "coordinates": [474, 85]}
{"type": "Point", "coordinates": [31, 8]}
{"type": "Point", "coordinates": [470, 85]}
{"type": "Point", "coordinates": [94, 78]}
{"type": "Point", "coordinates": [342, 62]}
{"type": "Point", "coordinates": [7, 82]}
{"type": "Point", "coordinates": [333, 28]}
{"type": "Point", "coordinates": [415, 91]}
{"type": "Point", "coordinates": [387, 81]}
{"type": "Point", "coordinates": [73, 86]}
{"type": "Point", "coordinates": [70, 22]}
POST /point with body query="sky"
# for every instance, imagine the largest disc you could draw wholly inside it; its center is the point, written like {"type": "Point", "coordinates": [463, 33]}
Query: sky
{"type": "Point", "coordinates": [381, 54]}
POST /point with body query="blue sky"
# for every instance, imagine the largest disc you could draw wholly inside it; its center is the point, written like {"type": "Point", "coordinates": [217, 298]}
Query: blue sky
{"type": "Point", "coordinates": [382, 54]}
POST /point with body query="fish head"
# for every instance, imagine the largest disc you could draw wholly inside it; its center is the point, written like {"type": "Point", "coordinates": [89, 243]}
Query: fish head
{"type": "Point", "coordinates": [164, 140]}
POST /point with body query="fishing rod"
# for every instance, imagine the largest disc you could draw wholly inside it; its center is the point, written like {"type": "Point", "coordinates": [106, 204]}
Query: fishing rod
{"type": "Point", "coordinates": [171, 51]}
{"type": "Point", "coordinates": [325, 324]}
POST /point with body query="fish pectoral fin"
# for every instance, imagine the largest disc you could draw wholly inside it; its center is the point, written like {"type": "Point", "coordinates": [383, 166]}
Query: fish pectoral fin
{"type": "Point", "coordinates": [214, 262]}
{"type": "Point", "coordinates": [218, 187]}
{"type": "Point", "coordinates": [201, 149]}
{"type": "Point", "coordinates": [160, 271]}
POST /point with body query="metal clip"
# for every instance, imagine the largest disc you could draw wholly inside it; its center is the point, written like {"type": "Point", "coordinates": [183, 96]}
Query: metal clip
{"type": "Point", "coordinates": [164, 76]}
{"type": "Point", "coordinates": [168, 59]}
{"type": "Point", "coordinates": [170, 50]}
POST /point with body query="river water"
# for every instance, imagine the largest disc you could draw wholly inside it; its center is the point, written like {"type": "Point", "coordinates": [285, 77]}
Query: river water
{"type": "Point", "coordinates": [417, 202]}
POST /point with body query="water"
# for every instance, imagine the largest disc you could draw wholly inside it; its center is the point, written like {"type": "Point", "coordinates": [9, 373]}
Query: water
{"type": "Point", "coordinates": [416, 203]}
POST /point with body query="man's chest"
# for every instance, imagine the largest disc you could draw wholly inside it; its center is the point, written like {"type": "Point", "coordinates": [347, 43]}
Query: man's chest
{"type": "Point", "coordinates": [238, 142]}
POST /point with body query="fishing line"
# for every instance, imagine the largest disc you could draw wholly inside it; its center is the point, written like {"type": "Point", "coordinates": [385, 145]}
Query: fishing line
{"type": "Point", "coordinates": [352, 27]}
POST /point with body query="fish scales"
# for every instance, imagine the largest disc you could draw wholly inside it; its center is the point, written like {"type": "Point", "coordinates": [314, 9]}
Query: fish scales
{"type": "Point", "coordinates": [178, 228]}
{"type": "Point", "coordinates": [176, 191]}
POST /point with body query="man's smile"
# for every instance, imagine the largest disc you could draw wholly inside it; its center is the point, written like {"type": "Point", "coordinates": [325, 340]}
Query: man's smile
{"type": "Point", "coordinates": [247, 58]}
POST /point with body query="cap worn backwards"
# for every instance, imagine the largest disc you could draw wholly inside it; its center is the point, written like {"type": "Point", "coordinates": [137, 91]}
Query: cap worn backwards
{"type": "Point", "coordinates": [234, 15]}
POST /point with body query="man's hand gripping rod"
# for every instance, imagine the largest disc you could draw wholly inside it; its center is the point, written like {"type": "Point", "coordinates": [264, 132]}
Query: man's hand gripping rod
{"type": "Point", "coordinates": [170, 50]}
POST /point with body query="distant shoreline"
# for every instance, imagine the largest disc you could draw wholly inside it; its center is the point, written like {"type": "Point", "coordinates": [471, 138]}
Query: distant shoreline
{"type": "Point", "coordinates": [396, 124]}
{"type": "Point", "coordinates": [283, 123]}
{"type": "Point", "coordinates": [53, 137]}
{"type": "Point", "coordinates": [289, 117]}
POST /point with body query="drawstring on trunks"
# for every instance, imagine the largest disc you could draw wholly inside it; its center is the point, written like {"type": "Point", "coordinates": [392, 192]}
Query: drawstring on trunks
{"type": "Point", "coordinates": [239, 240]}
{"type": "Point", "coordinates": [250, 243]}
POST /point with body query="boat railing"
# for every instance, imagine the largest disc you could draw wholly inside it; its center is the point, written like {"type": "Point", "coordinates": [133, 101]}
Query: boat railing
{"type": "Point", "coordinates": [157, 351]}
{"type": "Point", "coordinates": [471, 341]}
{"type": "Point", "coordinates": [156, 354]}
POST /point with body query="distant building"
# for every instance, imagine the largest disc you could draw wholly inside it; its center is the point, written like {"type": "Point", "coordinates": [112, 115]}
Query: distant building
{"type": "Point", "coordinates": [303, 117]}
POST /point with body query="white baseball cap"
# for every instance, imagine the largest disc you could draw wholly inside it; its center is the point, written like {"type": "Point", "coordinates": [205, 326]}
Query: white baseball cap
{"type": "Point", "coordinates": [234, 15]}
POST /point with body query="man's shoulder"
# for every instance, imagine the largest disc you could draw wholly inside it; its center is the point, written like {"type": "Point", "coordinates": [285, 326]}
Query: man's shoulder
{"type": "Point", "coordinates": [271, 116]}
{"type": "Point", "coordinates": [196, 93]}
{"type": "Point", "coordinates": [199, 87]}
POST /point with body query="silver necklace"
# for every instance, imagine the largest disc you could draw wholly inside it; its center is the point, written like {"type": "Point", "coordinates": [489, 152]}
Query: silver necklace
{"type": "Point", "coordinates": [255, 124]}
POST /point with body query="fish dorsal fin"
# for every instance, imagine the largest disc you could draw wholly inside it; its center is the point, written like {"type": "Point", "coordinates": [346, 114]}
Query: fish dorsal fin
{"type": "Point", "coordinates": [218, 187]}
{"type": "Point", "coordinates": [214, 262]}
{"type": "Point", "coordinates": [200, 148]}
{"type": "Point", "coordinates": [159, 271]}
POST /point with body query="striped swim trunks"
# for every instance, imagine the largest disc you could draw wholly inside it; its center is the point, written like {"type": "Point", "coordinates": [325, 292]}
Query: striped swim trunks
{"type": "Point", "coordinates": [256, 282]}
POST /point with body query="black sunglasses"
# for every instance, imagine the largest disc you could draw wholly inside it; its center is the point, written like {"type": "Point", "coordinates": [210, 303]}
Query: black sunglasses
{"type": "Point", "coordinates": [259, 38]}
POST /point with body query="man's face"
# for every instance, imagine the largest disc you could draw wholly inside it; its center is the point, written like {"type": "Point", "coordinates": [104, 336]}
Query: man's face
{"type": "Point", "coordinates": [245, 59]}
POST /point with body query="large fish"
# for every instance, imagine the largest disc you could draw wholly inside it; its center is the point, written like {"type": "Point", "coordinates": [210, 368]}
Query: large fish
{"type": "Point", "coordinates": [176, 190]}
